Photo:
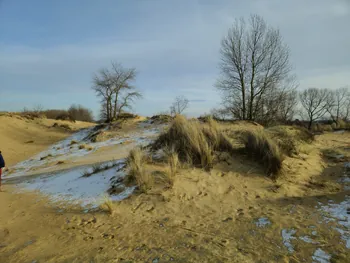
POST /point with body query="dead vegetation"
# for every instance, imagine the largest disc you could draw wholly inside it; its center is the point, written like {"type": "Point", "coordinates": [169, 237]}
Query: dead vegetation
{"type": "Point", "coordinates": [264, 150]}
{"type": "Point", "coordinates": [193, 142]}
{"type": "Point", "coordinates": [136, 171]}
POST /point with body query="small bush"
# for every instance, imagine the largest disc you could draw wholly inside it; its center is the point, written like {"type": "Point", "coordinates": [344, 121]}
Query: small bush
{"type": "Point", "coordinates": [136, 171]}
{"type": "Point", "coordinates": [262, 149]}
{"type": "Point", "coordinates": [341, 124]}
{"type": "Point", "coordinates": [327, 127]}
{"type": "Point", "coordinates": [333, 126]}
{"type": "Point", "coordinates": [304, 134]}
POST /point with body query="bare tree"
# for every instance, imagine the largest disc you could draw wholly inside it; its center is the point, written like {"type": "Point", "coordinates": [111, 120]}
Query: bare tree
{"type": "Point", "coordinates": [179, 105]}
{"type": "Point", "coordinates": [337, 104]}
{"type": "Point", "coordinates": [220, 113]}
{"type": "Point", "coordinates": [254, 59]}
{"type": "Point", "coordinates": [38, 108]}
{"type": "Point", "coordinates": [314, 102]}
{"type": "Point", "coordinates": [114, 88]}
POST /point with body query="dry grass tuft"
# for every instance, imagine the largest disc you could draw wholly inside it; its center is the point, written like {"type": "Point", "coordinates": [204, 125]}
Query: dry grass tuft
{"type": "Point", "coordinates": [108, 205]}
{"type": "Point", "coordinates": [263, 150]}
{"type": "Point", "coordinates": [173, 162]}
{"type": "Point", "coordinates": [193, 142]}
{"type": "Point", "coordinates": [85, 146]}
{"type": "Point", "coordinates": [137, 171]}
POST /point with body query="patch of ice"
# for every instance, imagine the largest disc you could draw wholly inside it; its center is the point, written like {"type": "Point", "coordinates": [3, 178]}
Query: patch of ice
{"type": "Point", "coordinates": [287, 236]}
{"type": "Point", "coordinates": [65, 150]}
{"type": "Point", "coordinates": [347, 165]}
{"type": "Point", "coordinates": [321, 256]}
{"type": "Point", "coordinates": [71, 186]}
{"type": "Point", "coordinates": [263, 222]}
{"type": "Point", "coordinates": [307, 239]}
{"type": "Point", "coordinates": [340, 213]}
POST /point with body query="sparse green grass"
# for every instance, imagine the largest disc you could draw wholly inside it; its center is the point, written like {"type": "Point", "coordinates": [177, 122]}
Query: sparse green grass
{"type": "Point", "coordinates": [262, 149]}
{"type": "Point", "coordinates": [136, 171]}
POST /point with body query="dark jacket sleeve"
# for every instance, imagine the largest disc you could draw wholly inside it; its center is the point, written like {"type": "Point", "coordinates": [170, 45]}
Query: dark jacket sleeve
{"type": "Point", "coordinates": [2, 161]}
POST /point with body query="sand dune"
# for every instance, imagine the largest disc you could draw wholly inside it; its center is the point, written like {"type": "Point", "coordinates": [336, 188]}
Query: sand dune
{"type": "Point", "coordinates": [21, 138]}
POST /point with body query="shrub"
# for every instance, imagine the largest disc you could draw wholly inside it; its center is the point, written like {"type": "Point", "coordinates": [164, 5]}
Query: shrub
{"type": "Point", "coordinates": [334, 126]}
{"type": "Point", "coordinates": [261, 148]}
{"type": "Point", "coordinates": [194, 143]}
{"type": "Point", "coordinates": [136, 172]}
{"type": "Point", "coordinates": [341, 124]}
{"type": "Point", "coordinates": [79, 113]}
{"type": "Point", "coordinates": [326, 127]}
{"type": "Point", "coordinates": [304, 135]}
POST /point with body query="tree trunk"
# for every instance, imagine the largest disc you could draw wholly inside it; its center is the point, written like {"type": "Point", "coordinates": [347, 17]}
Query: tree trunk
{"type": "Point", "coordinates": [310, 124]}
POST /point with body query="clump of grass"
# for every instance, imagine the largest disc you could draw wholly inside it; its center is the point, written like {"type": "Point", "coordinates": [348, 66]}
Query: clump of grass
{"type": "Point", "coordinates": [173, 164]}
{"type": "Point", "coordinates": [108, 205]}
{"type": "Point", "coordinates": [85, 146]}
{"type": "Point", "coordinates": [73, 142]}
{"type": "Point", "coordinates": [303, 134]}
{"type": "Point", "coordinates": [193, 142]}
{"type": "Point", "coordinates": [86, 173]}
{"type": "Point", "coordinates": [285, 139]}
{"type": "Point", "coordinates": [45, 157]}
{"type": "Point", "coordinates": [97, 168]}
{"type": "Point", "coordinates": [262, 149]}
{"type": "Point", "coordinates": [136, 170]}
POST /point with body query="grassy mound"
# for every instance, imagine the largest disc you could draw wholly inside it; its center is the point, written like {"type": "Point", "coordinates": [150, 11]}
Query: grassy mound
{"type": "Point", "coordinates": [261, 148]}
{"type": "Point", "coordinates": [288, 138]}
{"type": "Point", "coordinates": [193, 142]}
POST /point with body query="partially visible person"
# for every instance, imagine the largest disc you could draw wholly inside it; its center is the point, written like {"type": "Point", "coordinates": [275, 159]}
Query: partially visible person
{"type": "Point", "coordinates": [2, 165]}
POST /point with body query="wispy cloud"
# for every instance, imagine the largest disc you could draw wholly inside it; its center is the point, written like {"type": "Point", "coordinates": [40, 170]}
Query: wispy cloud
{"type": "Point", "coordinates": [175, 47]}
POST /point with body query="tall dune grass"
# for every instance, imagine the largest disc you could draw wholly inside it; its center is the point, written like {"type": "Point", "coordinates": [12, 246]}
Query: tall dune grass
{"type": "Point", "coordinates": [262, 149]}
{"type": "Point", "coordinates": [193, 142]}
{"type": "Point", "coordinates": [137, 171]}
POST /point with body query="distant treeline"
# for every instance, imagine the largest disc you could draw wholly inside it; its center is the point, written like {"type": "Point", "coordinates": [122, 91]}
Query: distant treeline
{"type": "Point", "coordinates": [74, 113]}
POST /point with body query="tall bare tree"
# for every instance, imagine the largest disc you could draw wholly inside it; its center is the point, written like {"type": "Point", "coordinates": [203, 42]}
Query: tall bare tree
{"type": "Point", "coordinates": [337, 104]}
{"type": "Point", "coordinates": [314, 102]}
{"type": "Point", "coordinates": [179, 105]}
{"type": "Point", "coordinates": [114, 88]}
{"type": "Point", "coordinates": [254, 59]}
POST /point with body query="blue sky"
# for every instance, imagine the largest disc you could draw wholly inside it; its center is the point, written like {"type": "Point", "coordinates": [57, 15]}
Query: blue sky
{"type": "Point", "coordinates": [49, 50]}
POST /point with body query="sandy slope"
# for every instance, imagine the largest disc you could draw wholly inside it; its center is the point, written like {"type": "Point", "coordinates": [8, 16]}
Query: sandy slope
{"type": "Point", "coordinates": [21, 138]}
{"type": "Point", "coordinates": [232, 214]}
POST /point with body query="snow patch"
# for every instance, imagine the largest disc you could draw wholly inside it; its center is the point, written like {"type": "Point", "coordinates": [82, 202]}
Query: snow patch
{"type": "Point", "coordinates": [321, 256]}
{"type": "Point", "coordinates": [340, 213]}
{"type": "Point", "coordinates": [72, 187]}
{"type": "Point", "coordinates": [263, 222]}
{"type": "Point", "coordinates": [287, 236]}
